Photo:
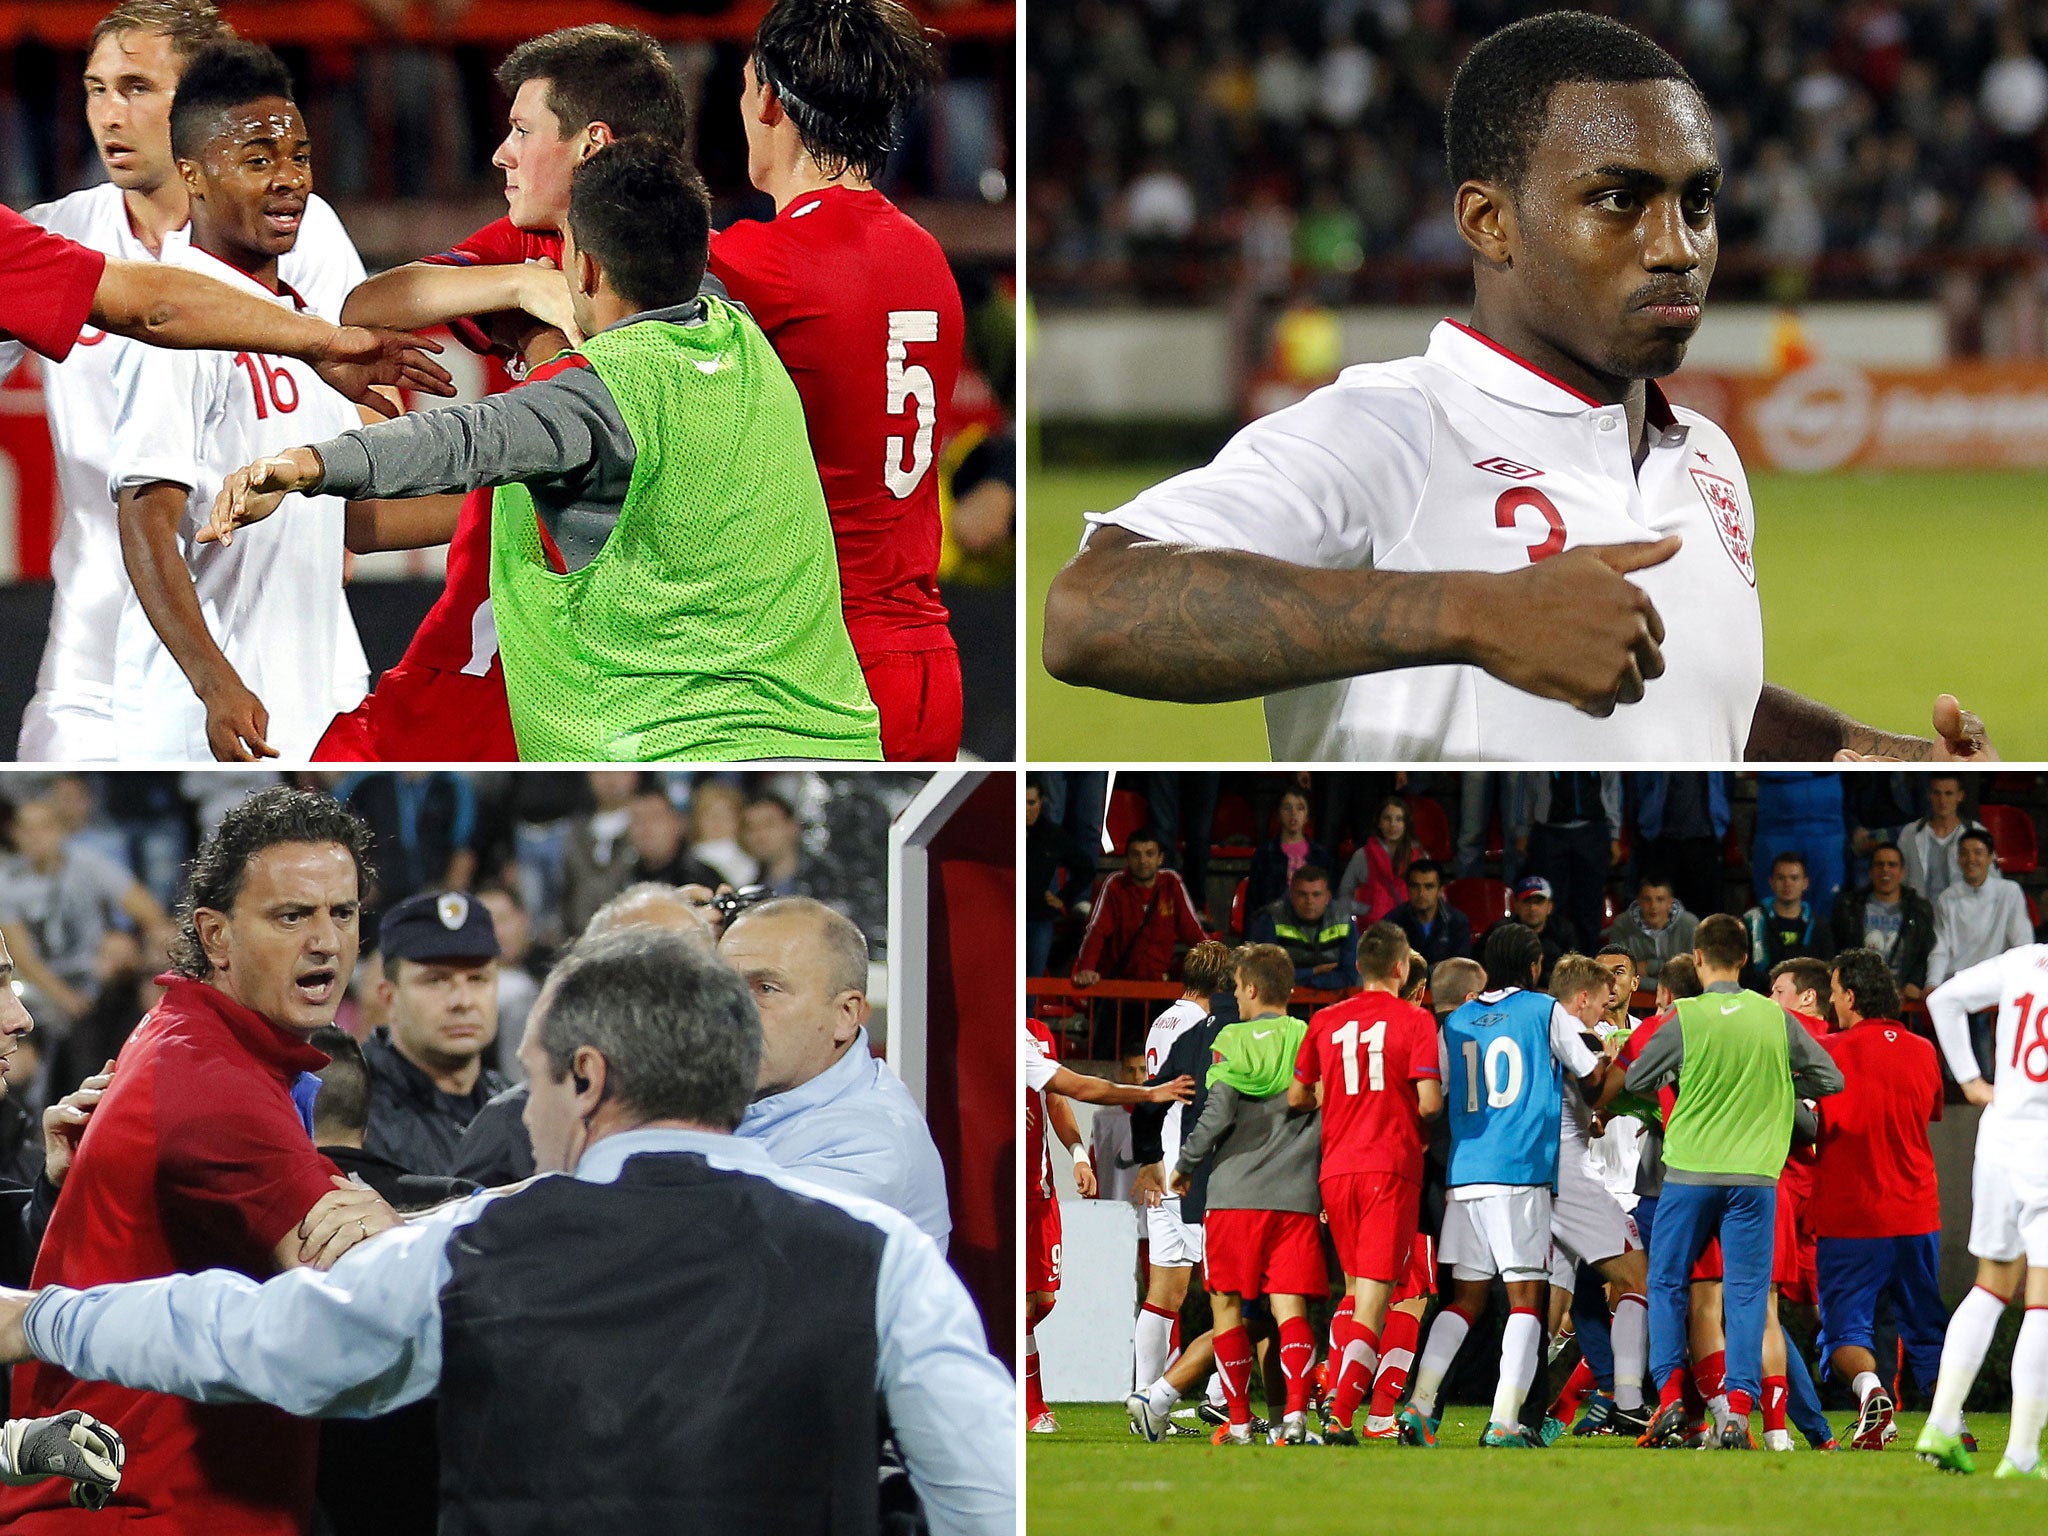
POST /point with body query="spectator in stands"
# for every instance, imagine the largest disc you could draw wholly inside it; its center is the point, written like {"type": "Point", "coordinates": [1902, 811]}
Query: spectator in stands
{"type": "Point", "coordinates": [771, 833]}
{"type": "Point", "coordinates": [1656, 925]}
{"type": "Point", "coordinates": [1801, 813]}
{"type": "Point", "coordinates": [715, 832]}
{"type": "Point", "coordinates": [123, 993]}
{"type": "Point", "coordinates": [597, 858]}
{"type": "Point", "coordinates": [423, 826]}
{"type": "Point", "coordinates": [1682, 820]}
{"type": "Point", "coordinates": [1534, 907]}
{"type": "Point", "coordinates": [657, 832]}
{"type": "Point", "coordinates": [1568, 828]}
{"type": "Point", "coordinates": [1058, 874]}
{"type": "Point", "coordinates": [1279, 856]}
{"type": "Point", "coordinates": [1929, 844]}
{"type": "Point", "coordinates": [1981, 915]}
{"type": "Point", "coordinates": [1142, 916]}
{"type": "Point", "coordinates": [1786, 926]}
{"type": "Point", "coordinates": [1375, 882]}
{"type": "Point", "coordinates": [1182, 808]}
{"type": "Point", "coordinates": [1436, 930]}
{"type": "Point", "coordinates": [1483, 797]}
{"type": "Point", "coordinates": [1891, 919]}
{"type": "Point", "coordinates": [1320, 940]}
{"type": "Point", "coordinates": [517, 986]}
{"type": "Point", "coordinates": [56, 902]}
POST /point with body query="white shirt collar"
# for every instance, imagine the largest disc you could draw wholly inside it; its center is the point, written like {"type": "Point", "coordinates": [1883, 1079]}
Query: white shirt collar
{"type": "Point", "coordinates": [1487, 365]}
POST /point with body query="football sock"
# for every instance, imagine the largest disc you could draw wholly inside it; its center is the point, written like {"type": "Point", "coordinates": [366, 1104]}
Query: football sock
{"type": "Point", "coordinates": [1674, 1388]}
{"type": "Point", "coordinates": [1962, 1356]}
{"type": "Point", "coordinates": [1340, 1330]}
{"type": "Point", "coordinates": [1575, 1392]}
{"type": "Point", "coordinates": [1155, 1340]}
{"type": "Point", "coordinates": [1164, 1395]}
{"type": "Point", "coordinates": [1446, 1334]}
{"type": "Point", "coordinates": [1520, 1342]}
{"type": "Point", "coordinates": [1866, 1382]}
{"type": "Point", "coordinates": [1034, 1395]}
{"type": "Point", "coordinates": [1710, 1374]}
{"type": "Point", "coordinates": [1297, 1356]}
{"type": "Point", "coordinates": [1234, 1370]}
{"type": "Point", "coordinates": [1631, 1333]}
{"type": "Point", "coordinates": [1739, 1404]}
{"type": "Point", "coordinates": [1214, 1394]}
{"type": "Point", "coordinates": [2029, 1390]}
{"type": "Point", "coordinates": [1397, 1354]}
{"type": "Point", "coordinates": [1355, 1376]}
{"type": "Point", "coordinates": [1775, 1392]}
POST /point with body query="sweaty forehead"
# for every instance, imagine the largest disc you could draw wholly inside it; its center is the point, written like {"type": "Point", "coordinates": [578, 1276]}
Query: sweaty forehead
{"type": "Point", "coordinates": [1659, 126]}
{"type": "Point", "coordinates": [271, 118]}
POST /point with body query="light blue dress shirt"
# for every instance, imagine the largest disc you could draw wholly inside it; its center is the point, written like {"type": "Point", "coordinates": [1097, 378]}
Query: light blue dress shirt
{"type": "Point", "coordinates": [365, 1337]}
{"type": "Point", "coordinates": [855, 1127]}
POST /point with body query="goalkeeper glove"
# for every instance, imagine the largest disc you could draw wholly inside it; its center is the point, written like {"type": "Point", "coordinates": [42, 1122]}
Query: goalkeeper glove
{"type": "Point", "coordinates": [71, 1445]}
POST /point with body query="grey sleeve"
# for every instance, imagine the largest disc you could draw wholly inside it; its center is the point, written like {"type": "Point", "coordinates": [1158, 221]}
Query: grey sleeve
{"type": "Point", "coordinates": [1814, 1073]}
{"type": "Point", "coordinates": [565, 430]}
{"type": "Point", "coordinates": [1659, 1062]}
{"type": "Point", "coordinates": [1805, 1123]}
{"type": "Point", "coordinates": [1217, 1114]}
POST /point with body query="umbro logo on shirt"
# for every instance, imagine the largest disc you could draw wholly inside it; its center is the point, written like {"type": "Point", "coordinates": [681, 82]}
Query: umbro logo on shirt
{"type": "Point", "coordinates": [1508, 467]}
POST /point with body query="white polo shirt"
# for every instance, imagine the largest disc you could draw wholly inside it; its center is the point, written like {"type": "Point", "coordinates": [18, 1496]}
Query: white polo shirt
{"type": "Point", "coordinates": [1469, 458]}
{"type": "Point", "coordinates": [71, 717]}
{"type": "Point", "coordinates": [272, 599]}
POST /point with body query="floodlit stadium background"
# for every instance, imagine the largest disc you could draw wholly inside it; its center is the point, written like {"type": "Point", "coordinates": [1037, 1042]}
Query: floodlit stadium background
{"type": "Point", "coordinates": [404, 116]}
{"type": "Point", "coordinates": [1230, 201]}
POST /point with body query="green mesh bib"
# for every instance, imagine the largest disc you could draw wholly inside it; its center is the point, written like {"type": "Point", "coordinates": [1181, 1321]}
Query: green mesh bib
{"type": "Point", "coordinates": [1735, 1094]}
{"type": "Point", "coordinates": [709, 625]}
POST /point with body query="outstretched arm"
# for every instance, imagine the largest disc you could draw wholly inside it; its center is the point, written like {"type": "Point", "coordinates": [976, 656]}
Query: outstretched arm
{"type": "Point", "coordinates": [1174, 621]}
{"type": "Point", "coordinates": [423, 293]}
{"type": "Point", "coordinates": [1789, 727]}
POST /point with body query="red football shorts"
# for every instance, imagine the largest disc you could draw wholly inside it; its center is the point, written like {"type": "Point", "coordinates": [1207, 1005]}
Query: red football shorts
{"type": "Point", "coordinates": [1709, 1265]}
{"type": "Point", "coordinates": [1264, 1253]}
{"type": "Point", "coordinates": [1789, 1262]}
{"type": "Point", "coordinates": [917, 694]}
{"type": "Point", "coordinates": [1421, 1277]}
{"type": "Point", "coordinates": [1041, 1245]}
{"type": "Point", "coordinates": [425, 715]}
{"type": "Point", "coordinates": [1372, 1220]}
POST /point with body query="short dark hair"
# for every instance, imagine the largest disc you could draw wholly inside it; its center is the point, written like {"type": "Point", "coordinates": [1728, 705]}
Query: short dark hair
{"type": "Point", "coordinates": [769, 797]}
{"type": "Point", "coordinates": [1888, 846]}
{"type": "Point", "coordinates": [1144, 835]}
{"type": "Point", "coordinates": [618, 76]}
{"type": "Point", "coordinates": [674, 1023]}
{"type": "Point", "coordinates": [224, 74]}
{"type": "Point", "coordinates": [1807, 973]}
{"type": "Point", "coordinates": [274, 815]}
{"type": "Point", "coordinates": [1865, 977]}
{"type": "Point", "coordinates": [1426, 867]}
{"type": "Point", "coordinates": [845, 71]}
{"type": "Point", "coordinates": [1660, 880]}
{"type": "Point", "coordinates": [344, 1097]}
{"type": "Point", "coordinates": [1310, 874]}
{"type": "Point", "coordinates": [1680, 977]}
{"type": "Point", "coordinates": [1499, 100]}
{"type": "Point", "coordinates": [1380, 949]}
{"type": "Point", "coordinates": [640, 208]}
{"type": "Point", "coordinates": [1512, 949]}
{"type": "Point", "coordinates": [1977, 835]}
{"type": "Point", "coordinates": [1791, 856]}
{"type": "Point", "coordinates": [1618, 949]}
{"type": "Point", "coordinates": [1722, 939]}
{"type": "Point", "coordinates": [1268, 970]}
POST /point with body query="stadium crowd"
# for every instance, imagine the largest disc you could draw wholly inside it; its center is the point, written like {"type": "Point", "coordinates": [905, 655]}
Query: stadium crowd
{"type": "Point", "coordinates": [1306, 140]}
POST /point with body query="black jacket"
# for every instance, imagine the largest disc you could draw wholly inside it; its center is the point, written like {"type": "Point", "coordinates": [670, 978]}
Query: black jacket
{"type": "Point", "coordinates": [1055, 862]}
{"type": "Point", "coordinates": [402, 1191]}
{"type": "Point", "coordinates": [1909, 956]}
{"type": "Point", "coordinates": [1449, 939]}
{"type": "Point", "coordinates": [496, 1150]}
{"type": "Point", "coordinates": [1190, 1055]}
{"type": "Point", "coordinates": [413, 1123]}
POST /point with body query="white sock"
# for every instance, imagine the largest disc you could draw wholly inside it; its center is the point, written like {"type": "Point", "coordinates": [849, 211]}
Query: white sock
{"type": "Point", "coordinates": [1155, 1339]}
{"type": "Point", "coordinates": [1215, 1392]}
{"type": "Point", "coordinates": [1164, 1395]}
{"type": "Point", "coordinates": [1631, 1332]}
{"type": "Point", "coordinates": [2029, 1391]}
{"type": "Point", "coordinates": [1962, 1356]}
{"type": "Point", "coordinates": [1446, 1334]}
{"type": "Point", "coordinates": [1519, 1342]}
{"type": "Point", "coordinates": [1866, 1382]}
{"type": "Point", "coordinates": [1379, 1421]}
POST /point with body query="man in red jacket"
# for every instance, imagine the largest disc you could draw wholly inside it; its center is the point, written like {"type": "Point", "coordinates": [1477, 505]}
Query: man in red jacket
{"type": "Point", "coordinates": [1877, 1209]}
{"type": "Point", "coordinates": [1141, 914]}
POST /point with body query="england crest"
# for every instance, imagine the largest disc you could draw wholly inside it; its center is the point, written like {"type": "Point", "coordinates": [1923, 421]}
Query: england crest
{"type": "Point", "coordinates": [1731, 522]}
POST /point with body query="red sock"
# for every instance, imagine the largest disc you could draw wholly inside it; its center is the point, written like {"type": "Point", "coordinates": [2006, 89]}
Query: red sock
{"type": "Point", "coordinates": [1297, 1356]}
{"type": "Point", "coordinates": [1340, 1331]}
{"type": "Point", "coordinates": [1739, 1404]}
{"type": "Point", "coordinates": [1674, 1388]}
{"type": "Point", "coordinates": [1397, 1356]}
{"type": "Point", "coordinates": [1234, 1367]}
{"type": "Point", "coordinates": [1774, 1402]}
{"type": "Point", "coordinates": [1582, 1384]}
{"type": "Point", "coordinates": [1034, 1395]}
{"type": "Point", "coordinates": [1360, 1359]}
{"type": "Point", "coordinates": [1689, 1389]}
{"type": "Point", "coordinates": [1711, 1375]}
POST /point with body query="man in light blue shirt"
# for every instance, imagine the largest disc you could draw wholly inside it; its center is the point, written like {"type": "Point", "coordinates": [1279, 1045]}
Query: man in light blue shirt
{"type": "Point", "coordinates": [825, 1107]}
{"type": "Point", "coordinates": [571, 1325]}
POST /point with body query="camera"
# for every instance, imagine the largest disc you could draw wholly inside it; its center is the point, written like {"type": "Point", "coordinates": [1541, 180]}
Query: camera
{"type": "Point", "coordinates": [730, 904]}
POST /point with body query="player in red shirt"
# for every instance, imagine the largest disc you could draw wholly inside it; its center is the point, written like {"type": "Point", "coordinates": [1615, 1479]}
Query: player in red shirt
{"type": "Point", "coordinates": [1370, 1064]}
{"type": "Point", "coordinates": [573, 92]}
{"type": "Point", "coordinates": [198, 1159]}
{"type": "Point", "coordinates": [1876, 1205]}
{"type": "Point", "coordinates": [862, 308]}
{"type": "Point", "coordinates": [1140, 914]}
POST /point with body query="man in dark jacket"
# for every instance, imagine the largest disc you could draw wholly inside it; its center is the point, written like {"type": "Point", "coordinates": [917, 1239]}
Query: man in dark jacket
{"type": "Point", "coordinates": [427, 1072]}
{"type": "Point", "coordinates": [1437, 931]}
{"type": "Point", "coordinates": [1322, 943]}
{"type": "Point", "coordinates": [1058, 871]}
{"type": "Point", "coordinates": [1889, 916]}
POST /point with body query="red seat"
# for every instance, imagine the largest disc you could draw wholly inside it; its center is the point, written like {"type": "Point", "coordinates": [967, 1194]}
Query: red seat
{"type": "Point", "coordinates": [1237, 908]}
{"type": "Point", "coordinates": [1232, 832]}
{"type": "Point", "coordinates": [1128, 811]}
{"type": "Point", "coordinates": [1482, 899]}
{"type": "Point", "coordinates": [2012, 829]}
{"type": "Point", "coordinates": [1430, 827]}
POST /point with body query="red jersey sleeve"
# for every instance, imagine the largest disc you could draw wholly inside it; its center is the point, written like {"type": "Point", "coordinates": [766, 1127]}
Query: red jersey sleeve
{"type": "Point", "coordinates": [1422, 1035]}
{"type": "Point", "coordinates": [47, 294]}
{"type": "Point", "coordinates": [238, 1181]}
{"type": "Point", "coordinates": [1308, 1066]}
{"type": "Point", "coordinates": [754, 267]}
{"type": "Point", "coordinates": [500, 244]}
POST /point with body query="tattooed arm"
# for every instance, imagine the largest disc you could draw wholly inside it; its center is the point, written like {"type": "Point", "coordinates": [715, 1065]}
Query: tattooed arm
{"type": "Point", "coordinates": [1174, 621]}
{"type": "Point", "coordinates": [1789, 727]}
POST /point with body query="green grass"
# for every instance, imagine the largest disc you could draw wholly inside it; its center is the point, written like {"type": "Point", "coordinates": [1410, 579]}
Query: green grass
{"type": "Point", "coordinates": [1093, 1476]}
{"type": "Point", "coordinates": [1880, 591]}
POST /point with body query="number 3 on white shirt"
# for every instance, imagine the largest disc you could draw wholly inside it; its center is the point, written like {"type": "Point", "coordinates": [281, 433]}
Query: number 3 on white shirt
{"type": "Point", "coordinates": [910, 381]}
{"type": "Point", "coordinates": [1375, 1055]}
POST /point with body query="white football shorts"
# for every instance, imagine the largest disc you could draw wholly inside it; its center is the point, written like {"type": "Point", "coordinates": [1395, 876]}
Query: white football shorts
{"type": "Point", "coordinates": [1505, 1234]}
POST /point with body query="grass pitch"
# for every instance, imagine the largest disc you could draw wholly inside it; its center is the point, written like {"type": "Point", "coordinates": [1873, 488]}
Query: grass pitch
{"type": "Point", "coordinates": [1880, 591]}
{"type": "Point", "coordinates": [1094, 1476]}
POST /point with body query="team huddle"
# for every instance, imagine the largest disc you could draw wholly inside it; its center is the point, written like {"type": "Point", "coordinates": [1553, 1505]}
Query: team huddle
{"type": "Point", "coordinates": [1653, 1194]}
{"type": "Point", "coordinates": [705, 525]}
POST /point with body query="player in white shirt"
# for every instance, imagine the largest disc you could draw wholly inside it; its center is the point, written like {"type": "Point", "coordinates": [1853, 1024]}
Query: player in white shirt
{"type": "Point", "coordinates": [1478, 554]}
{"type": "Point", "coordinates": [2008, 1199]}
{"type": "Point", "coordinates": [140, 214]}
